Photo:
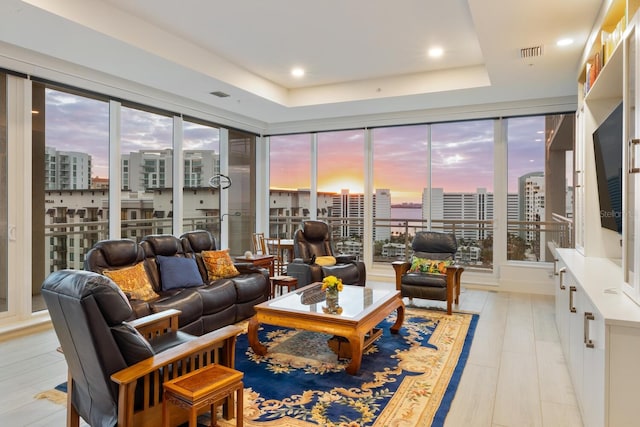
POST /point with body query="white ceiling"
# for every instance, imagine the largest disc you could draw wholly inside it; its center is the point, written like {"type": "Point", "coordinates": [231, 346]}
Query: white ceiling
{"type": "Point", "coordinates": [361, 56]}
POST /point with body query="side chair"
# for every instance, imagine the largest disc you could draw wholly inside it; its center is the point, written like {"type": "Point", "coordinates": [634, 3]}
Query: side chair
{"type": "Point", "coordinates": [258, 244]}
{"type": "Point", "coordinates": [431, 273]}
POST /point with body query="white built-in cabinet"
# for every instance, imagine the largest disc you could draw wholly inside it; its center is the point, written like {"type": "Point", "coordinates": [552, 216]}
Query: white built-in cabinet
{"type": "Point", "coordinates": [599, 330]}
{"type": "Point", "coordinates": [597, 285]}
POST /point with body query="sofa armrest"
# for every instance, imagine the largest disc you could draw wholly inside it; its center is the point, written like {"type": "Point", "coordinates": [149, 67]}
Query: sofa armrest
{"type": "Point", "coordinates": [345, 258]}
{"type": "Point", "coordinates": [301, 271]}
{"type": "Point", "coordinates": [157, 323]}
{"type": "Point", "coordinates": [215, 347]}
{"type": "Point", "coordinates": [248, 268]}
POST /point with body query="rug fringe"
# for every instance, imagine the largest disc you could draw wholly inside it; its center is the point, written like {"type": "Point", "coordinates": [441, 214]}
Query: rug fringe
{"type": "Point", "coordinates": [56, 396]}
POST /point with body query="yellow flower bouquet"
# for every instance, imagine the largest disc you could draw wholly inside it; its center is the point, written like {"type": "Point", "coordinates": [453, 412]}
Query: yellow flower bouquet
{"type": "Point", "coordinates": [332, 283]}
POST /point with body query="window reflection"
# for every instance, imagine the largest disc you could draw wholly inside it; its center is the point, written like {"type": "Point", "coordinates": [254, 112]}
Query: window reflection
{"type": "Point", "coordinates": [242, 206]}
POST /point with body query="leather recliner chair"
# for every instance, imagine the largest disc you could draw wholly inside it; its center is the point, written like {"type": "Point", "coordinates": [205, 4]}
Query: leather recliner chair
{"type": "Point", "coordinates": [440, 286]}
{"type": "Point", "coordinates": [88, 312]}
{"type": "Point", "coordinates": [311, 242]}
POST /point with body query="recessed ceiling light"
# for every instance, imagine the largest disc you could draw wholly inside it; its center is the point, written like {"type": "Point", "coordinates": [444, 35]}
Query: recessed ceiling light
{"type": "Point", "coordinates": [436, 52]}
{"type": "Point", "coordinates": [564, 42]}
{"type": "Point", "coordinates": [297, 72]}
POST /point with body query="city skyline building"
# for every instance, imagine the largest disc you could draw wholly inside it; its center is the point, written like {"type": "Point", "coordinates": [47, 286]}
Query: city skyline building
{"type": "Point", "coordinates": [148, 169]}
{"type": "Point", "coordinates": [66, 170]}
{"type": "Point", "coordinates": [147, 195]}
{"type": "Point", "coordinates": [532, 203]}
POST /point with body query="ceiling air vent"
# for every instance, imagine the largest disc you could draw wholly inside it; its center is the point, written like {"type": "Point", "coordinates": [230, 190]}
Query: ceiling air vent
{"type": "Point", "coordinates": [531, 52]}
{"type": "Point", "coordinates": [220, 94]}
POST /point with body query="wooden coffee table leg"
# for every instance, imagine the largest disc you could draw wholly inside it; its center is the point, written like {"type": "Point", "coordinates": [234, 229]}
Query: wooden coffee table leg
{"type": "Point", "coordinates": [356, 343]}
{"type": "Point", "coordinates": [399, 319]}
{"type": "Point", "coordinates": [252, 335]}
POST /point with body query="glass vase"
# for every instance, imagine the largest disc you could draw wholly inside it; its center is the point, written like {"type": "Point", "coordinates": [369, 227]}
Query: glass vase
{"type": "Point", "coordinates": [332, 300]}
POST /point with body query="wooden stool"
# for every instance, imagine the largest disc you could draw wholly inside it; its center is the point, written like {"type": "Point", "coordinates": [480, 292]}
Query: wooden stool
{"type": "Point", "coordinates": [203, 387]}
{"type": "Point", "coordinates": [282, 281]}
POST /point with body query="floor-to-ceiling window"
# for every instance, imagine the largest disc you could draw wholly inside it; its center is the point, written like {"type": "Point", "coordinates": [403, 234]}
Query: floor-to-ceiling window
{"type": "Point", "coordinates": [538, 152]}
{"type": "Point", "coordinates": [340, 197]}
{"type": "Point", "coordinates": [289, 183]}
{"type": "Point", "coordinates": [400, 175]}
{"type": "Point", "coordinates": [201, 159]}
{"type": "Point", "coordinates": [70, 178]}
{"type": "Point", "coordinates": [437, 176]}
{"type": "Point", "coordinates": [527, 188]}
{"type": "Point", "coordinates": [461, 192]}
{"type": "Point", "coordinates": [146, 157]}
{"type": "Point", "coordinates": [4, 223]}
{"type": "Point", "coordinates": [72, 141]}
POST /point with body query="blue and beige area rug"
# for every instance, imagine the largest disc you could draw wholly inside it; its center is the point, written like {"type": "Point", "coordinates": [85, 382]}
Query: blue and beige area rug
{"type": "Point", "coordinates": [407, 379]}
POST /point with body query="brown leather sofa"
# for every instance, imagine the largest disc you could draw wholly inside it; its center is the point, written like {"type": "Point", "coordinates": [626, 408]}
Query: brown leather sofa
{"type": "Point", "coordinates": [205, 306]}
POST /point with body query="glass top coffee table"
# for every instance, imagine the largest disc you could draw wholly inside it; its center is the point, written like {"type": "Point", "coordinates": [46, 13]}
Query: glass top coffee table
{"type": "Point", "coordinates": [362, 309]}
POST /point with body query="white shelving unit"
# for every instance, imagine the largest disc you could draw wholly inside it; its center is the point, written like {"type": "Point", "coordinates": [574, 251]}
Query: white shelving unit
{"type": "Point", "coordinates": [598, 282]}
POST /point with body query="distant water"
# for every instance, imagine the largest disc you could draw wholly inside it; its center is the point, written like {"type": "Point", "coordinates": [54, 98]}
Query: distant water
{"type": "Point", "coordinates": [403, 213]}
{"type": "Point", "coordinates": [408, 213]}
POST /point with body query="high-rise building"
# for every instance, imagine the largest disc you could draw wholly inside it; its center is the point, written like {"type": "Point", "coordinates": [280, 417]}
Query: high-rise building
{"type": "Point", "coordinates": [449, 210]}
{"type": "Point", "coordinates": [150, 169]}
{"type": "Point", "coordinates": [66, 170]}
{"type": "Point", "coordinates": [351, 206]}
{"type": "Point", "coordinates": [199, 166]}
{"type": "Point", "coordinates": [531, 190]}
{"type": "Point", "coordinates": [382, 210]}
{"type": "Point", "coordinates": [347, 205]}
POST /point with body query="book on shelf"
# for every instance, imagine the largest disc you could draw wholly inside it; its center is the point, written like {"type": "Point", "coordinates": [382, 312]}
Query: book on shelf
{"type": "Point", "coordinates": [608, 45]}
{"type": "Point", "coordinates": [608, 42]}
{"type": "Point", "coordinates": [611, 39]}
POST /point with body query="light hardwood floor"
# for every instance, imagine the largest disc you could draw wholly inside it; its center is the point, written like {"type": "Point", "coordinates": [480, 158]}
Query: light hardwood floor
{"type": "Point", "coordinates": [515, 376]}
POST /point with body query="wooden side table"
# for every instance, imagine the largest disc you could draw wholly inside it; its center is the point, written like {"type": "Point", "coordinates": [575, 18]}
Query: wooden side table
{"type": "Point", "coordinates": [264, 261]}
{"type": "Point", "coordinates": [279, 282]}
{"type": "Point", "coordinates": [203, 387]}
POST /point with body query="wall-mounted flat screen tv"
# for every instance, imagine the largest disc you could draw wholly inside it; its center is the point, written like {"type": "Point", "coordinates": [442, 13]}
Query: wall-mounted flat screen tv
{"type": "Point", "coordinates": [607, 144]}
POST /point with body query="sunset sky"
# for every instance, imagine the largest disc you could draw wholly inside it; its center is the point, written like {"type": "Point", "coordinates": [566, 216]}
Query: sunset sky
{"type": "Point", "coordinates": [462, 152]}
{"type": "Point", "coordinates": [462, 158]}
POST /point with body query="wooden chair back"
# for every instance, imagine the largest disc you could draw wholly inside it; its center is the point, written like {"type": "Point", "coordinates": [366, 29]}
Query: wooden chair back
{"type": "Point", "coordinates": [259, 244]}
{"type": "Point", "coordinates": [274, 248]}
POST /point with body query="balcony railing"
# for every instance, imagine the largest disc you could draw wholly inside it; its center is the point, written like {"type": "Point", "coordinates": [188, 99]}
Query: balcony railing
{"type": "Point", "coordinates": [392, 238]}
{"type": "Point", "coordinates": [563, 237]}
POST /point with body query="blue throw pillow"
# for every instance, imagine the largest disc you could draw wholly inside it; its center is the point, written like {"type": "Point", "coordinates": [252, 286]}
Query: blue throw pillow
{"type": "Point", "coordinates": [176, 272]}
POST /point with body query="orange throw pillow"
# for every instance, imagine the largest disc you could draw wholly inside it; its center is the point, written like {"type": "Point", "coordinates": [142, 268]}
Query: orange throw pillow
{"type": "Point", "coordinates": [219, 264]}
{"type": "Point", "coordinates": [133, 281]}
